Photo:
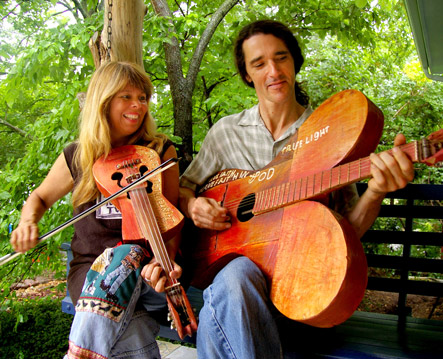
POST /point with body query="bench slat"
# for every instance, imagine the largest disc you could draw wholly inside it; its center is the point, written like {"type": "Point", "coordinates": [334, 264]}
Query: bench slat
{"type": "Point", "coordinates": [412, 238]}
{"type": "Point", "coordinates": [402, 211]}
{"type": "Point", "coordinates": [433, 289]}
{"type": "Point", "coordinates": [412, 191]}
{"type": "Point", "coordinates": [409, 263]}
{"type": "Point", "coordinates": [366, 335]}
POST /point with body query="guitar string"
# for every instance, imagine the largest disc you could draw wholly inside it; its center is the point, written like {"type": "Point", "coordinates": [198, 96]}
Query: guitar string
{"type": "Point", "coordinates": [246, 203]}
{"type": "Point", "coordinates": [362, 165]}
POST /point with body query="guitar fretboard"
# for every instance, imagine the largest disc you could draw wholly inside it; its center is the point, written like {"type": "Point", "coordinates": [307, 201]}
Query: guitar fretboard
{"type": "Point", "coordinates": [322, 182]}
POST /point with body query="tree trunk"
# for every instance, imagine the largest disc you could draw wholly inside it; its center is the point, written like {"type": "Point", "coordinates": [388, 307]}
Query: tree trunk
{"type": "Point", "coordinates": [121, 40]}
{"type": "Point", "coordinates": [122, 33]}
{"type": "Point", "coordinates": [182, 88]}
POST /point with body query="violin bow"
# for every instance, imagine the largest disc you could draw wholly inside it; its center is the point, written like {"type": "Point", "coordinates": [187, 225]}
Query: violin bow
{"type": "Point", "coordinates": [162, 167]}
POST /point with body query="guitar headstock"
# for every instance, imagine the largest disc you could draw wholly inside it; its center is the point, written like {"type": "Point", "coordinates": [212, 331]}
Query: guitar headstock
{"type": "Point", "coordinates": [432, 149]}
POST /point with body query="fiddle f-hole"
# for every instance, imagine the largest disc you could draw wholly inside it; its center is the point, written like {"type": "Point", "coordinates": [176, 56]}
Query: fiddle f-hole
{"type": "Point", "coordinates": [244, 211]}
{"type": "Point", "coordinates": [117, 176]}
{"type": "Point", "coordinates": [143, 169]}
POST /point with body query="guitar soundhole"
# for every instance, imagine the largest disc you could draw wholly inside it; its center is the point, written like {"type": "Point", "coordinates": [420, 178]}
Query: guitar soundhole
{"type": "Point", "coordinates": [244, 211]}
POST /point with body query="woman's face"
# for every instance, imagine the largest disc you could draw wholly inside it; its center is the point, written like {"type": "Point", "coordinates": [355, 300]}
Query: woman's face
{"type": "Point", "coordinates": [127, 109]}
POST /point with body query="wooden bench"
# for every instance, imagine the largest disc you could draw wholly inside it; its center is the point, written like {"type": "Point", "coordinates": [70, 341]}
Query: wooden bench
{"type": "Point", "coordinates": [373, 335]}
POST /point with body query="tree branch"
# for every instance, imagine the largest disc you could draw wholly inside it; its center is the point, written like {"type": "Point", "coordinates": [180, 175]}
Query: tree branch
{"type": "Point", "coordinates": [12, 10]}
{"type": "Point", "coordinates": [204, 40]}
{"type": "Point", "coordinates": [180, 9]}
{"type": "Point", "coordinates": [15, 129]}
{"type": "Point", "coordinates": [172, 48]}
{"type": "Point", "coordinates": [78, 7]}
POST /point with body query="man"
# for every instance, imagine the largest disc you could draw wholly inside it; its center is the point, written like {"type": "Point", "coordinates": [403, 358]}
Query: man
{"type": "Point", "coordinates": [237, 320]}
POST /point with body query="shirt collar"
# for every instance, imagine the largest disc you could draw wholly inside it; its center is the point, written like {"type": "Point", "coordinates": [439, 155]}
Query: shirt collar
{"type": "Point", "coordinates": [255, 120]}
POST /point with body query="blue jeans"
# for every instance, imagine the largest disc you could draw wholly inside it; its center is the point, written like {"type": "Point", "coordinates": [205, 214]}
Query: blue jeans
{"type": "Point", "coordinates": [110, 332]}
{"type": "Point", "coordinates": [236, 320]}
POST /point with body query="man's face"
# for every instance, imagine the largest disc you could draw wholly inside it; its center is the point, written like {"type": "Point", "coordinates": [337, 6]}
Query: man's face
{"type": "Point", "coordinates": [270, 66]}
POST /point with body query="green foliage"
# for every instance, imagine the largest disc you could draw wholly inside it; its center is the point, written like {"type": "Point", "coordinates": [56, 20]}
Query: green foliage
{"type": "Point", "coordinates": [45, 62]}
{"type": "Point", "coordinates": [399, 224]}
{"type": "Point", "coordinates": [44, 69]}
{"type": "Point", "coordinates": [34, 329]}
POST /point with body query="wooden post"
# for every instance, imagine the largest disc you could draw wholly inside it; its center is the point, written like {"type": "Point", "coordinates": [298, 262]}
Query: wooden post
{"type": "Point", "coordinates": [126, 32]}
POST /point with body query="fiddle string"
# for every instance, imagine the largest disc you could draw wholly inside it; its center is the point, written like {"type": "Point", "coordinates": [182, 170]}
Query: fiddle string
{"type": "Point", "coordinates": [151, 230]}
{"type": "Point", "coordinates": [146, 225]}
{"type": "Point", "coordinates": [149, 226]}
{"type": "Point", "coordinates": [159, 247]}
{"type": "Point", "coordinates": [361, 167]}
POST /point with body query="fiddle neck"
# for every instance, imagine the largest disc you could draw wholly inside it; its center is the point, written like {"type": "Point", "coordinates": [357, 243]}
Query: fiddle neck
{"type": "Point", "coordinates": [148, 225]}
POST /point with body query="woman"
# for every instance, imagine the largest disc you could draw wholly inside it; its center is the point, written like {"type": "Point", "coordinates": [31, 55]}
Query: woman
{"type": "Point", "coordinates": [115, 114]}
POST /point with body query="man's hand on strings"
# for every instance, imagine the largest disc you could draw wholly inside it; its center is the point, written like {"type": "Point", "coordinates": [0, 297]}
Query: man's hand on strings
{"type": "Point", "coordinates": [207, 213]}
{"type": "Point", "coordinates": [391, 172]}
{"type": "Point", "coordinates": [154, 275]}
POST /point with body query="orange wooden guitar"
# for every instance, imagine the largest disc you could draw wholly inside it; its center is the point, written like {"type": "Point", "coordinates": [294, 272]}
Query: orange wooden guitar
{"type": "Point", "coordinates": [312, 259]}
{"type": "Point", "coordinates": [150, 217]}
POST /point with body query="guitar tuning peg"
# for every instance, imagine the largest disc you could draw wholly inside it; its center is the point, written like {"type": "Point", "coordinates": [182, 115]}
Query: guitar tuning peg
{"type": "Point", "coordinates": [169, 317]}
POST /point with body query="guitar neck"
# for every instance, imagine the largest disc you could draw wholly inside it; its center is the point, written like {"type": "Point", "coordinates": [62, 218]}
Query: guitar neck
{"type": "Point", "coordinates": [323, 182]}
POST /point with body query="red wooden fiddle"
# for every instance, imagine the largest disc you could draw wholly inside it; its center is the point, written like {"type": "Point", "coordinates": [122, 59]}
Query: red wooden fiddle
{"type": "Point", "coordinates": [113, 172]}
{"type": "Point", "coordinates": [147, 215]}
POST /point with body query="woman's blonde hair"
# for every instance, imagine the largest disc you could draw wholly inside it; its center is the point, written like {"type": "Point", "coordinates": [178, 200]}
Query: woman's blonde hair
{"type": "Point", "coordinates": [95, 137]}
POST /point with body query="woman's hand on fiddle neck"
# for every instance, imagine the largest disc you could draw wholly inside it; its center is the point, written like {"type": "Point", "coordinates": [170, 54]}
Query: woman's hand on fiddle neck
{"type": "Point", "coordinates": [154, 275]}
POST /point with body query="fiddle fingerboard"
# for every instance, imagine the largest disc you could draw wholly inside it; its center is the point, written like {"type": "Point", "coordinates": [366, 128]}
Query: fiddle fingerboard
{"type": "Point", "coordinates": [149, 227]}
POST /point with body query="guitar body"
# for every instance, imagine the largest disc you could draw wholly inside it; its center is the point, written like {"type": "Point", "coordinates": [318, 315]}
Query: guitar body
{"type": "Point", "coordinates": [310, 255]}
{"type": "Point", "coordinates": [320, 272]}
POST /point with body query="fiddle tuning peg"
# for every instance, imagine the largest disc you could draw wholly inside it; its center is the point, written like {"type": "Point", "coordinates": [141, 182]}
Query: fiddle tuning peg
{"type": "Point", "coordinates": [171, 319]}
{"type": "Point", "coordinates": [195, 313]}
